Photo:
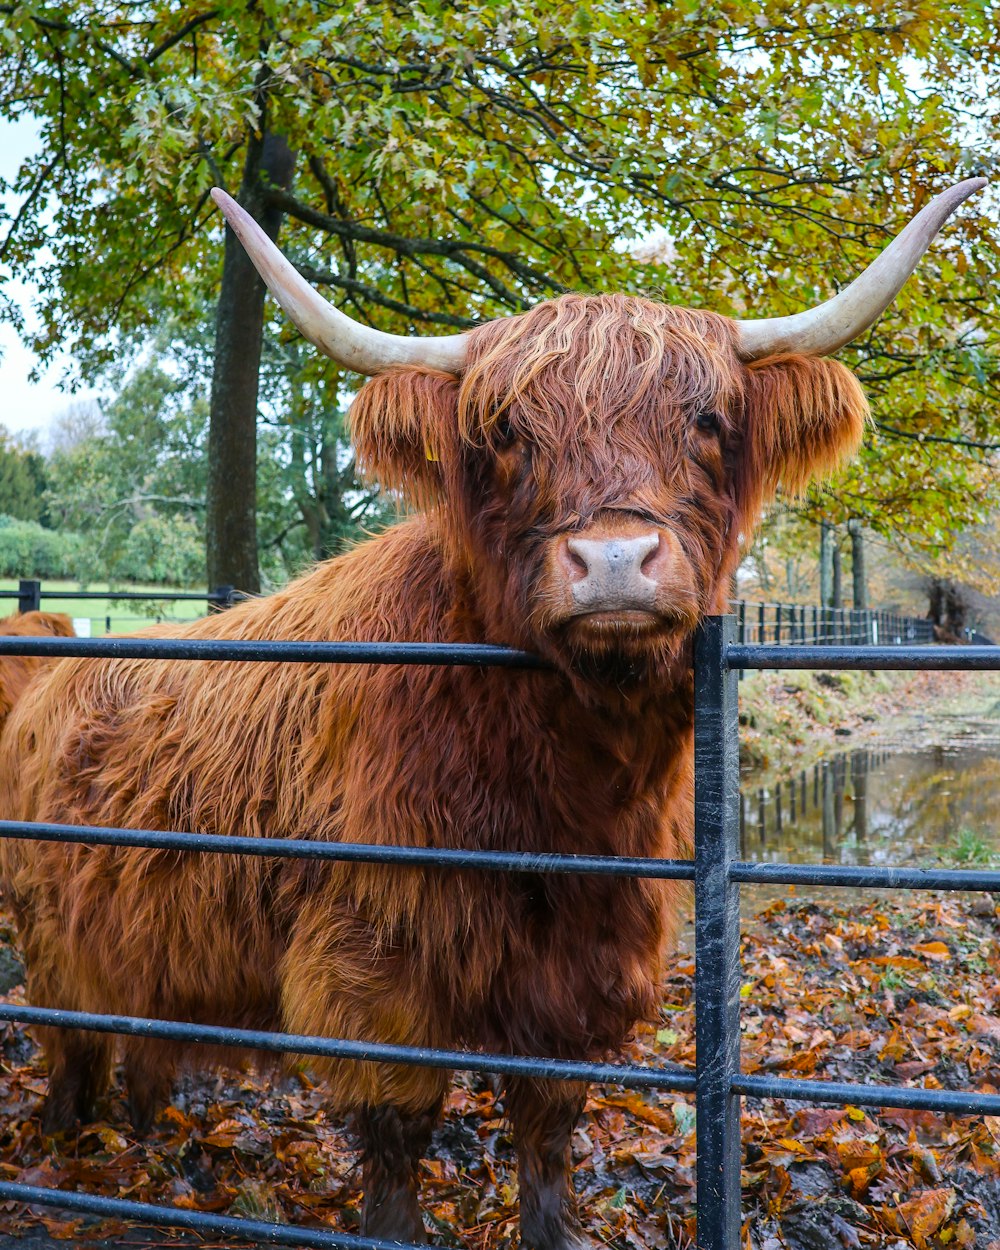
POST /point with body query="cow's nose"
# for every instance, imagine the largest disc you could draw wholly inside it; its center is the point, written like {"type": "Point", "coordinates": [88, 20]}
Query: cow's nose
{"type": "Point", "coordinates": [612, 574]}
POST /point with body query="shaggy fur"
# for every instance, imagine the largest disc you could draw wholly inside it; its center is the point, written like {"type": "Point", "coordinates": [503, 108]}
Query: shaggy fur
{"type": "Point", "coordinates": [587, 407]}
{"type": "Point", "coordinates": [16, 671]}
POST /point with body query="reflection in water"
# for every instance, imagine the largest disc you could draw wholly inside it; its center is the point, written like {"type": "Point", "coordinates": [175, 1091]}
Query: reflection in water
{"type": "Point", "coordinates": [877, 807]}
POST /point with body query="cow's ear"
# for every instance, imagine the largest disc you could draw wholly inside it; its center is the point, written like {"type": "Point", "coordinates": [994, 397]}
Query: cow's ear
{"type": "Point", "coordinates": [805, 415]}
{"type": "Point", "coordinates": [403, 424]}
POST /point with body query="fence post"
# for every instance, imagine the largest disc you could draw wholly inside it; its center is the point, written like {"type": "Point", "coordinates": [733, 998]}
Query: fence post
{"type": "Point", "coordinates": [29, 595]}
{"type": "Point", "coordinates": [717, 936]}
{"type": "Point", "coordinates": [761, 622]}
{"type": "Point", "coordinates": [777, 622]}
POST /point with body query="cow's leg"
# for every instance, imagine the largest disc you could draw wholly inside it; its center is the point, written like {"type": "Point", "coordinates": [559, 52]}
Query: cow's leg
{"type": "Point", "coordinates": [79, 1071]}
{"type": "Point", "coordinates": [543, 1115]}
{"type": "Point", "coordinates": [392, 1144]}
{"type": "Point", "coordinates": [149, 1072]}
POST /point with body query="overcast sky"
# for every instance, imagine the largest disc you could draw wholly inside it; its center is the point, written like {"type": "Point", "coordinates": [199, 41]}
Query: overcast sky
{"type": "Point", "coordinates": [25, 405]}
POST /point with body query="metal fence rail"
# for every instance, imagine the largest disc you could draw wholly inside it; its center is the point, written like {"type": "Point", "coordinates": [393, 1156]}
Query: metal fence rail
{"type": "Point", "coordinates": [717, 872]}
{"type": "Point", "coordinates": [31, 592]}
{"type": "Point", "coordinates": [719, 657]}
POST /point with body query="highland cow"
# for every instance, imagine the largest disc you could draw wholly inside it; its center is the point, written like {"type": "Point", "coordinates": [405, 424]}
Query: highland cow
{"type": "Point", "coordinates": [582, 476]}
{"type": "Point", "coordinates": [17, 671]}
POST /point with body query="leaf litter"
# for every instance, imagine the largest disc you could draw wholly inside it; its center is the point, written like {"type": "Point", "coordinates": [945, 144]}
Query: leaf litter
{"type": "Point", "coordinates": [901, 992]}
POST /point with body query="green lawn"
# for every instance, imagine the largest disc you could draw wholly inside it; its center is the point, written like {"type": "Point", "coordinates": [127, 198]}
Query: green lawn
{"type": "Point", "coordinates": [124, 616]}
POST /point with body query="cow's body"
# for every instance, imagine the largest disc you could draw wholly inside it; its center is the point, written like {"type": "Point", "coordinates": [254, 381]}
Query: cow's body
{"type": "Point", "coordinates": [18, 671]}
{"type": "Point", "coordinates": [418, 756]}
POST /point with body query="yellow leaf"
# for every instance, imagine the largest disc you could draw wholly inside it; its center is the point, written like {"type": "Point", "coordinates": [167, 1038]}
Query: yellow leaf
{"type": "Point", "coordinates": [933, 950]}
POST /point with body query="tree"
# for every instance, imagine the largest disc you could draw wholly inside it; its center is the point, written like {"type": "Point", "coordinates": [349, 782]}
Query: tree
{"type": "Point", "coordinates": [306, 415]}
{"type": "Point", "coordinates": [453, 162]}
{"type": "Point", "coordinates": [22, 478]}
{"type": "Point", "coordinates": [133, 484]}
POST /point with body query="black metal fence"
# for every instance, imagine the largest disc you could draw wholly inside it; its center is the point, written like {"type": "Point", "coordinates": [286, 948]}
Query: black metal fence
{"type": "Point", "coordinates": [716, 870]}
{"type": "Point", "coordinates": [818, 626]}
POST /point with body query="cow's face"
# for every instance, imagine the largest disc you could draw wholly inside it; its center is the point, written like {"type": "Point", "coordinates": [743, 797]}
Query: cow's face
{"type": "Point", "coordinates": [593, 460]}
{"type": "Point", "coordinates": [596, 464]}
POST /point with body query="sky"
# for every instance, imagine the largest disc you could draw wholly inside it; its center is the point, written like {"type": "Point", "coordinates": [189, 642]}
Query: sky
{"type": "Point", "coordinates": [26, 405]}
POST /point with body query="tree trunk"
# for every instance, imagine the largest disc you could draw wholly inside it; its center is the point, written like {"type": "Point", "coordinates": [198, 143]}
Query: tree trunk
{"type": "Point", "coordinates": [947, 608]}
{"type": "Point", "coordinates": [837, 600]}
{"type": "Point", "coordinates": [859, 573]}
{"type": "Point", "coordinates": [825, 564]}
{"type": "Point", "coordinates": [231, 504]}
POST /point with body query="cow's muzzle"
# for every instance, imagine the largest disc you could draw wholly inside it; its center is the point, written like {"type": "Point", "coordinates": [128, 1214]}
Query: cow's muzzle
{"type": "Point", "coordinates": [613, 574]}
{"type": "Point", "coordinates": [619, 570]}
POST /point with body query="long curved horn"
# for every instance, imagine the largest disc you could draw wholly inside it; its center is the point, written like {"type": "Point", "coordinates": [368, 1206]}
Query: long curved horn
{"type": "Point", "coordinates": [349, 343]}
{"type": "Point", "coordinates": [822, 330]}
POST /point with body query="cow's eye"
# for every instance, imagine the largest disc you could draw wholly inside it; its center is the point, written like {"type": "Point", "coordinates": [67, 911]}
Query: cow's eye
{"type": "Point", "coordinates": [503, 432]}
{"type": "Point", "coordinates": [707, 422]}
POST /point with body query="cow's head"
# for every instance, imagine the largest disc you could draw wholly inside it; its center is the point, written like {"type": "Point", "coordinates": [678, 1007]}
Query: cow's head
{"type": "Point", "coordinates": [593, 462]}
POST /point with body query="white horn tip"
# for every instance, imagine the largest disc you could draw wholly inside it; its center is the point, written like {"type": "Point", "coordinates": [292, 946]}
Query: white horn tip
{"type": "Point", "coordinates": [223, 201]}
{"type": "Point", "coordinates": [962, 190]}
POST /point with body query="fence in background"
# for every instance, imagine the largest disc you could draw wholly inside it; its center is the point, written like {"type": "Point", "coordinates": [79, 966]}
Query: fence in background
{"type": "Point", "coordinates": [31, 593]}
{"type": "Point", "coordinates": [717, 872]}
{"type": "Point", "coordinates": [817, 626]}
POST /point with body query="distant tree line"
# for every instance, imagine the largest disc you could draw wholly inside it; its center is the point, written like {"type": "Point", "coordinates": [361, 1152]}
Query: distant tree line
{"type": "Point", "coordinates": [119, 493]}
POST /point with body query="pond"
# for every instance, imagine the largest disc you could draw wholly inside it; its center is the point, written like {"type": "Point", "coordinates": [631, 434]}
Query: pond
{"type": "Point", "coordinates": [879, 807]}
{"type": "Point", "coordinates": [928, 805]}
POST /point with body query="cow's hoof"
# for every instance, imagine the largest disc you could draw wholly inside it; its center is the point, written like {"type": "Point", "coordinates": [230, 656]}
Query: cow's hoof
{"type": "Point", "coordinates": [560, 1237]}
{"type": "Point", "coordinates": [396, 1218]}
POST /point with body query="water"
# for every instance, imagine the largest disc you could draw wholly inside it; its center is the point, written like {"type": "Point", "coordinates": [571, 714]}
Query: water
{"type": "Point", "coordinates": [929, 805]}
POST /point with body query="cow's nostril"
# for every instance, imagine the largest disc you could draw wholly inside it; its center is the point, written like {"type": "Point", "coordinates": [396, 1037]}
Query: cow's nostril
{"type": "Point", "coordinates": [646, 568]}
{"type": "Point", "coordinates": [578, 566]}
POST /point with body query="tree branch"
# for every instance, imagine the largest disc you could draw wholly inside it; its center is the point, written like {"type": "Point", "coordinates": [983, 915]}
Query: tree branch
{"type": "Point", "coordinates": [938, 438]}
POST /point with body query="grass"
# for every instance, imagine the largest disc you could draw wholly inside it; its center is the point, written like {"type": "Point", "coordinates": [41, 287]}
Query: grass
{"type": "Point", "coordinates": [969, 850]}
{"type": "Point", "coordinates": [795, 717]}
{"type": "Point", "coordinates": [124, 616]}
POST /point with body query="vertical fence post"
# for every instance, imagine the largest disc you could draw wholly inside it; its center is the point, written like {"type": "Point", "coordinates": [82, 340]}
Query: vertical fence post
{"type": "Point", "coordinates": [29, 595]}
{"type": "Point", "coordinates": [717, 935]}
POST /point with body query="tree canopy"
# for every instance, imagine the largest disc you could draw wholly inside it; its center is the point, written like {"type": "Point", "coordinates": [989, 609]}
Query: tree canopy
{"type": "Point", "coordinates": [433, 164]}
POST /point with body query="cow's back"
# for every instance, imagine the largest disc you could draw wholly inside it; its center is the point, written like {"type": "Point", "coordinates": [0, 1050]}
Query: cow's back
{"type": "Point", "coordinates": [18, 671]}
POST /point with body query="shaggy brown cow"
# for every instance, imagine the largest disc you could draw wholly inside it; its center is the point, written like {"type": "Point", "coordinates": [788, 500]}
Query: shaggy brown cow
{"type": "Point", "coordinates": [17, 671]}
{"type": "Point", "coordinates": [584, 471]}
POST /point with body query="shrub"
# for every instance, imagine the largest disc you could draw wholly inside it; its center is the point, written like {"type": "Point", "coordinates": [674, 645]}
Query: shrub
{"type": "Point", "coordinates": [27, 549]}
{"type": "Point", "coordinates": [164, 551]}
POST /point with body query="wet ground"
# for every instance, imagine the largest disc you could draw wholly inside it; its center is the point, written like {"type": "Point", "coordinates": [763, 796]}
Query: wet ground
{"type": "Point", "coordinates": [925, 806]}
